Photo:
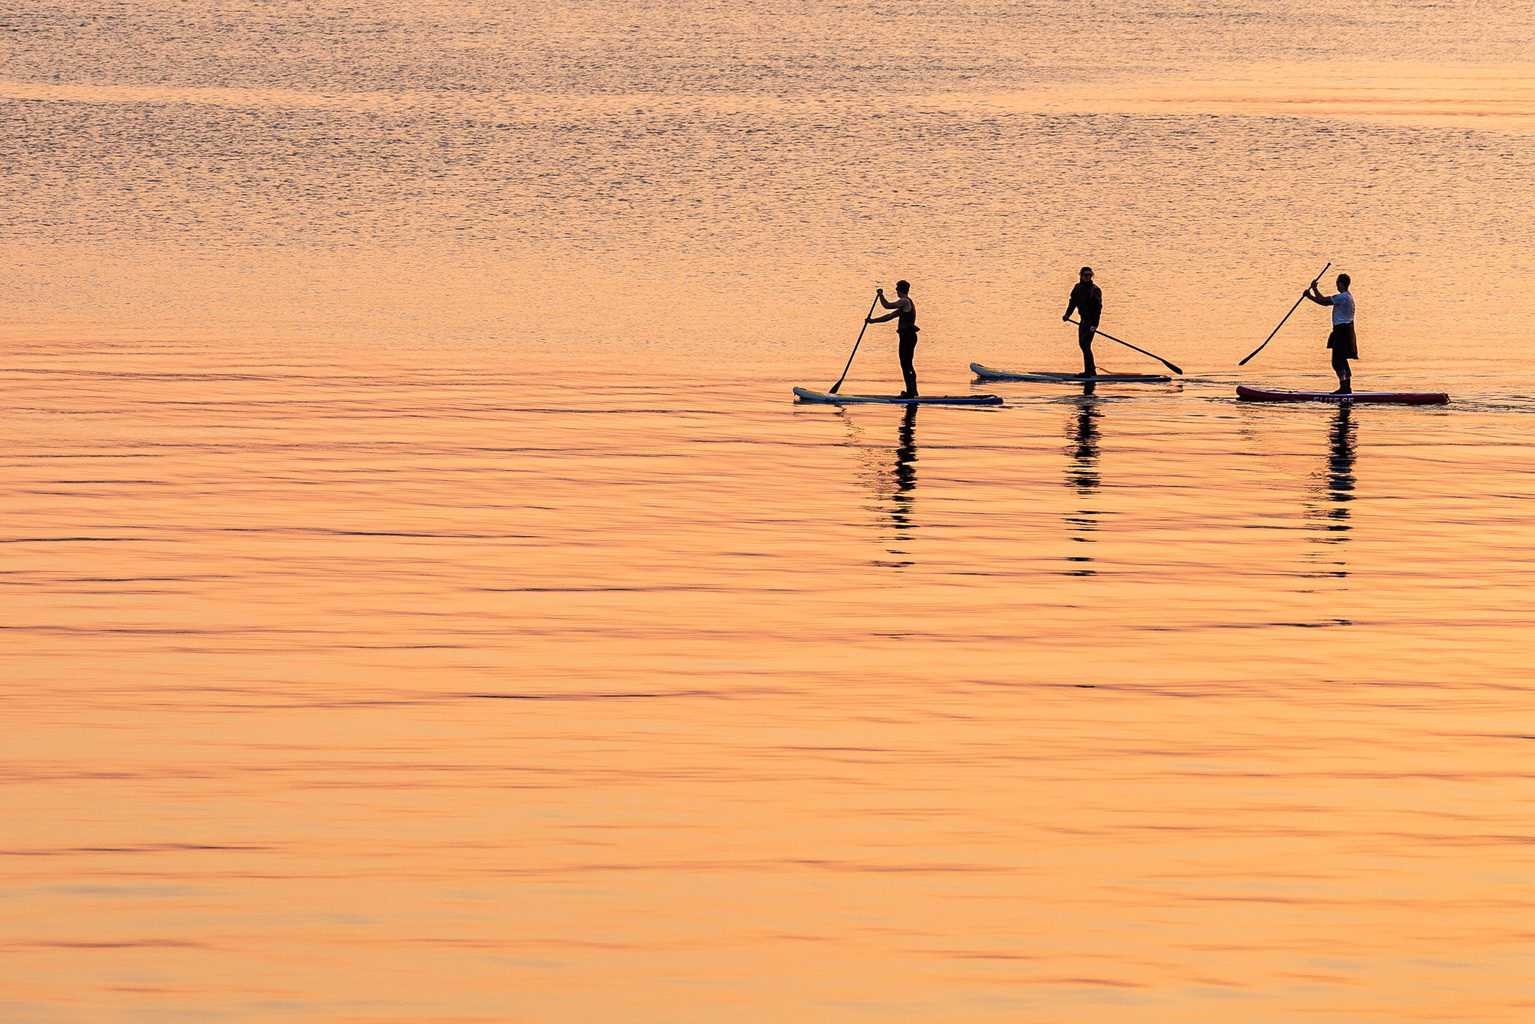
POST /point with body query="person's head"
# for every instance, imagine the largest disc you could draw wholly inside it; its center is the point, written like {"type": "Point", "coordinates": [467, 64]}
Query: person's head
{"type": "Point", "coordinates": [902, 287]}
{"type": "Point", "coordinates": [1086, 275]}
{"type": "Point", "coordinates": [1343, 282]}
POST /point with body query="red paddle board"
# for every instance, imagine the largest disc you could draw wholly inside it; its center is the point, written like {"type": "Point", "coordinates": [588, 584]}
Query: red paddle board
{"type": "Point", "coordinates": [1248, 394]}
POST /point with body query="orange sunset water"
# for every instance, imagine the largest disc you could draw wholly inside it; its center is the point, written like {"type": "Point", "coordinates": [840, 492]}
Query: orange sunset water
{"type": "Point", "coordinates": [423, 600]}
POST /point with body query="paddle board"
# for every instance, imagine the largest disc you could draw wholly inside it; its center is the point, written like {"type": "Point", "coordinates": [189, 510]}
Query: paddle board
{"type": "Point", "coordinates": [1043, 377]}
{"type": "Point", "coordinates": [1385, 397]}
{"type": "Point", "coordinates": [807, 395]}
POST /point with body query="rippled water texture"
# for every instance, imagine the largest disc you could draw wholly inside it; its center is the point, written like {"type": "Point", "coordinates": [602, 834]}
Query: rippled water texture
{"type": "Point", "coordinates": [422, 602]}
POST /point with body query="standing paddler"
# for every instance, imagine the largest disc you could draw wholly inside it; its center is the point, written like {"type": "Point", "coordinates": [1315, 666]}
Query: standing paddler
{"type": "Point", "coordinates": [906, 329]}
{"type": "Point", "coordinates": [1342, 341]}
{"type": "Point", "coordinates": [1087, 299]}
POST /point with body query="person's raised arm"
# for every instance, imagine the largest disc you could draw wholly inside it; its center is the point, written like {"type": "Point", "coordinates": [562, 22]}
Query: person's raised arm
{"type": "Point", "coordinates": [879, 293]}
{"type": "Point", "coordinates": [1316, 296]}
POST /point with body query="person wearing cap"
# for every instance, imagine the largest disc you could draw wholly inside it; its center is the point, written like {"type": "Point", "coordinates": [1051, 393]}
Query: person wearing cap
{"type": "Point", "coordinates": [1344, 344]}
{"type": "Point", "coordinates": [1087, 299]}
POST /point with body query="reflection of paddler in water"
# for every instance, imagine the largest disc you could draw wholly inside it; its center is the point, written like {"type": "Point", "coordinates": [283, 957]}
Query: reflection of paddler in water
{"type": "Point", "coordinates": [894, 489]}
{"type": "Point", "coordinates": [906, 329]}
{"type": "Point", "coordinates": [1082, 471]}
{"type": "Point", "coordinates": [1083, 432]}
{"type": "Point", "coordinates": [1327, 511]}
{"type": "Point", "coordinates": [905, 475]}
{"type": "Point", "coordinates": [1340, 470]}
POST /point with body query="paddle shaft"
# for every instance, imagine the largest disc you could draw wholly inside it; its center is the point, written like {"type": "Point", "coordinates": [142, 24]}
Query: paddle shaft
{"type": "Point", "coordinates": [865, 327]}
{"type": "Point", "coordinates": [1281, 323]}
{"type": "Point", "coordinates": [1171, 366]}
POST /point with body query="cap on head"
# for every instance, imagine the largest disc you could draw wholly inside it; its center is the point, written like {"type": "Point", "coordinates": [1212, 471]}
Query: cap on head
{"type": "Point", "coordinates": [902, 287]}
{"type": "Point", "coordinates": [1086, 271]}
{"type": "Point", "coordinates": [1344, 281]}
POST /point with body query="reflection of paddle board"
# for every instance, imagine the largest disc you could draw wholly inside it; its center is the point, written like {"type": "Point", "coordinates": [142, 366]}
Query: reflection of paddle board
{"type": "Point", "coordinates": [806, 395]}
{"type": "Point", "coordinates": [1043, 377]}
{"type": "Point", "coordinates": [1386, 397]}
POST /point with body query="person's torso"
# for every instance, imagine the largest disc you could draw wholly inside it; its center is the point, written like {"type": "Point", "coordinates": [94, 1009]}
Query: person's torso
{"type": "Point", "coordinates": [1342, 309]}
{"type": "Point", "coordinates": [1089, 299]}
{"type": "Point", "coordinates": [906, 318]}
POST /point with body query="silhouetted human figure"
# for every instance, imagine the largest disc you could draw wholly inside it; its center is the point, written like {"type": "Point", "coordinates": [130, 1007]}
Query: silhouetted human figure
{"type": "Point", "coordinates": [1086, 298]}
{"type": "Point", "coordinates": [906, 329]}
{"type": "Point", "coordinates": [1342, 341]}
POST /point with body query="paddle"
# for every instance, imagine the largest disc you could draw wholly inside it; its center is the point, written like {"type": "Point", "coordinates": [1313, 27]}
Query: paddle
{"type": "Point", "coordinates": [1171, 366]}
{"type": "Point", "coordinates": [1293, 308]}
{"type": "Point", "coordinates": [865, 327]}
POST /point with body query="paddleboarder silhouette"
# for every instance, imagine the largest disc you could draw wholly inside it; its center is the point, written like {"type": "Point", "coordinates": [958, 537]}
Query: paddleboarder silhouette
{"type": "Point", "coordinates": [905, 329]}
{"type": "Point", "coordinates": [1342, 340]}
{"type": "Point", "coordinates": [1086, 298]}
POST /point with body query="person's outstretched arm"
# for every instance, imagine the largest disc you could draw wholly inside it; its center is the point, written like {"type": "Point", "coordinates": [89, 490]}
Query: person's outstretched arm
{"type": "Point", "coordinates": [879, 293]}
{"type": "Point", "coordinates": [1316, 296]}
{"type": "Point", "coordinates": [882, 319]}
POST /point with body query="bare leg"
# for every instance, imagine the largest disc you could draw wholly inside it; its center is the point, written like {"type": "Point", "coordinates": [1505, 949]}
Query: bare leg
{"type": "Point", "coordinates": [1345, 375]}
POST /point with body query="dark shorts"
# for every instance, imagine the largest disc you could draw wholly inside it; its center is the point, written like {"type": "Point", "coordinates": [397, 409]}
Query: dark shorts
{"type": "Point", "coordinates": [1343, 343]}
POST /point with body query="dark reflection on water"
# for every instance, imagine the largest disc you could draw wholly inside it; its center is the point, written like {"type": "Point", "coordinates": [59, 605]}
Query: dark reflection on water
{"type": "Point", "coordinates": [1340, 466]}
{"type": "Point", "coordinates": [1082, 474]}
{"type": "Point", "coordinates": [903, 500]}
{"type": "Point", "coordinates": [1330, 515]}
{"type": "Point", "coordinates": [894, 487]}
{"type": "Point", "coordinates": [899, 492]}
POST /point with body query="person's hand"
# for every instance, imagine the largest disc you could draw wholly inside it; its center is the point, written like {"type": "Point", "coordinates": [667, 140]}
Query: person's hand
{"type": "Point", "coordinates": [1065, 318]}
{"type": "Point", "coordinates": [879, 291]}
{"type": "Point", "coordinates": [868, 319]}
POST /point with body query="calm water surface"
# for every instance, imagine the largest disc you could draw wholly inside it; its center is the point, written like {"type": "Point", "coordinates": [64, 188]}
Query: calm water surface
{"type": "Point", "coordinates": [423, 602]}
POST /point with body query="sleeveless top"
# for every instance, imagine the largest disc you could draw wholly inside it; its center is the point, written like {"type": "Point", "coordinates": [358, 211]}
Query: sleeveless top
{"type": "Point", "coordinates": [1342, 308]}
{"type": "Point", "coordinates": [906, 321]}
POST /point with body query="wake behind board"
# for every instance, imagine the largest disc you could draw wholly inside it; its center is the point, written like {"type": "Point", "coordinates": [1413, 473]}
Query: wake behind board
{"type": "Point", "coordinates": [807, 395]}
{"type": "Point", "coordinates": [1044, 377]}
{"type": "Point", "coordinates": [1248, 394]}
